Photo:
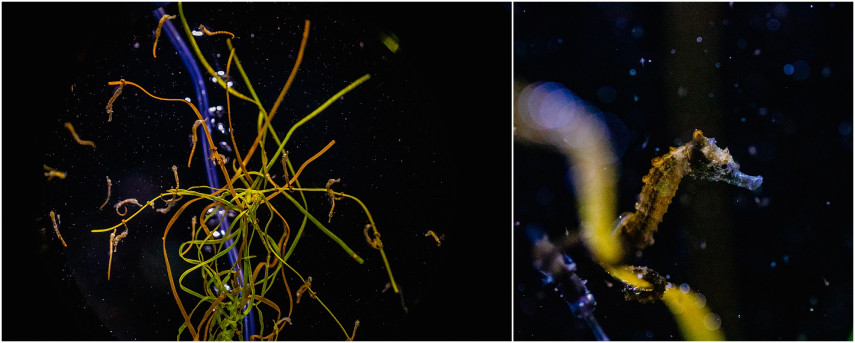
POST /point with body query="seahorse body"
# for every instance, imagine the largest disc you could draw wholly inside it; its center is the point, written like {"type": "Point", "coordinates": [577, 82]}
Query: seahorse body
{"type": "Point", "coordinates": [700, 158]}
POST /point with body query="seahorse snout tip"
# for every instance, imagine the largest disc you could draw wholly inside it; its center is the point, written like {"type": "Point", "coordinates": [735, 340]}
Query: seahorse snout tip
{"type": "Point", "coordinates": [754, 182]}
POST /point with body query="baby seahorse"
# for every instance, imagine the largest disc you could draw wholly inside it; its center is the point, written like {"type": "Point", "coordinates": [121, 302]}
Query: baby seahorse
{"type": "Point", "coordinates": [700, 158]}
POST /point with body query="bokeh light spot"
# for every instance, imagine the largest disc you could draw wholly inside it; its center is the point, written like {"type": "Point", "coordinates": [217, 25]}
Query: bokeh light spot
{"type": "Point", "coordinates": [607, 94]}
{"type": "Point", "coordinates": [802, 70]}
{"type": "Point", "coordinates": [773, 25]}
{"type": "Point", "coordinates": [637, 31]}
{"type": "Point", "coordinates": [712, 321]}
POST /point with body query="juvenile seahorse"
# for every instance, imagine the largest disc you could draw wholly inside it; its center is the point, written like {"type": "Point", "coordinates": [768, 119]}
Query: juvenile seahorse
{"type": "Point", "coordinates": [699, 158]}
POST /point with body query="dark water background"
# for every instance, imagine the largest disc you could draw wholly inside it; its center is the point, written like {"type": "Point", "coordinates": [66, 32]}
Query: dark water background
{"type": "Point", "coordinates": [770, 81]}
{"type": "Point", "coordinates": [414, 143]}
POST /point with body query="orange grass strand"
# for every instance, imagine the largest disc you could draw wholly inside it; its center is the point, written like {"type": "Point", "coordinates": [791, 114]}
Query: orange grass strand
{"type": "Point", "coordinates": [284, 89]}
{"type": "Point", "coordinates": [192, 235]}
{"type": "Point", "coordinates": [286, 230]}
{"type": "Point", "coordinates": [218, 159]}
{"type": "Point", "coordinates": [305, 218]}
{"type": "Point", "coordinates": [208, 313]}
{"type": "Point", "coordinates": [268, 302]}
{"type": "Point", "coordinates": [294, 179]}
{"type": "Point", "coordinates": [203, 219]}
{"type": "Point", "coordinates": [195, 110]}
{"type": "Point", "coordinates": [293, 73]}
{"type": "Point", "coordinates": [169, 270]}
{"type": "Point", "coordinates": [258, 268]}
{"type": "Point", "coordinates": [288, 291]}
{"type": "Point", "coordinates": [308, 161]}
{"type": "Point", "coordinates": [125, 82]}
{"type": "Point", "coordinates": [314, 113]}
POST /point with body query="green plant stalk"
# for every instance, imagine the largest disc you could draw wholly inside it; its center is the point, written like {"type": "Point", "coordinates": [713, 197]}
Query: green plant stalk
{"type": "Point", "coordinates": [314, 113]}
{"type": "Point", "coordinates": [325, 230]}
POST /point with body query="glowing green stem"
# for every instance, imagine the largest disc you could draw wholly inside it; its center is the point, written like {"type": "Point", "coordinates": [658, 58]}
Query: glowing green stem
{"type": "Point", "coordinates": [313, 114]}
{"type": "Point", "coordinates": [325, 230]}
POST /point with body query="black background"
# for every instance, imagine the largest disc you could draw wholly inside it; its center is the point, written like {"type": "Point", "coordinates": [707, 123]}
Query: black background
{"type": "Point", "coordinates": [424, 146]}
